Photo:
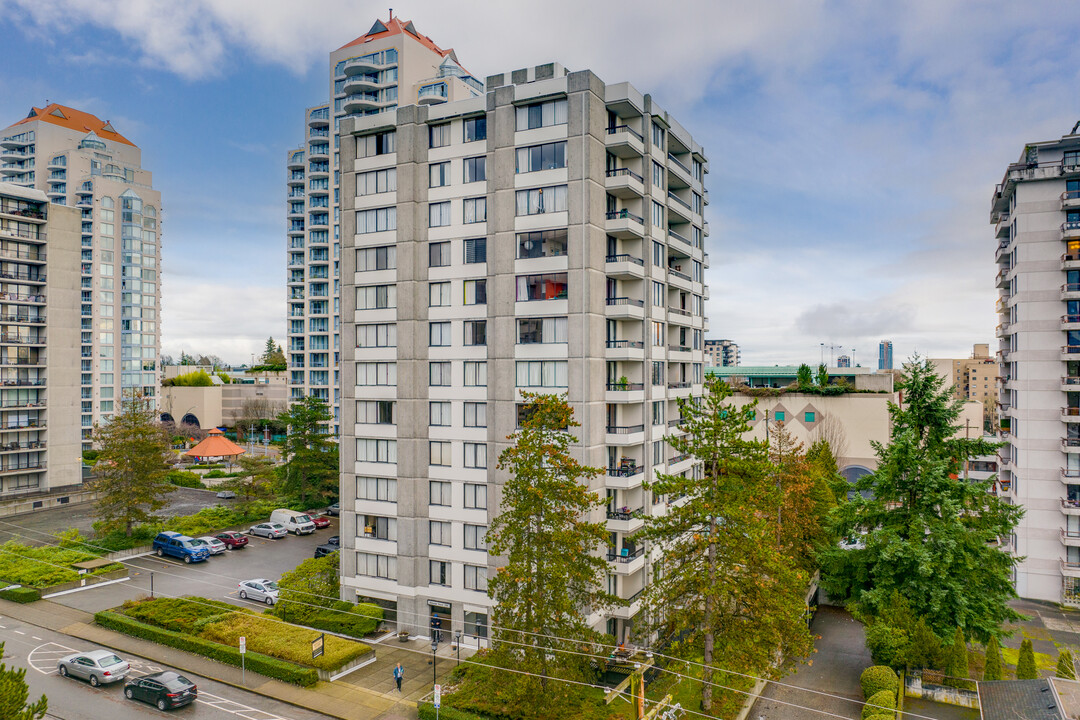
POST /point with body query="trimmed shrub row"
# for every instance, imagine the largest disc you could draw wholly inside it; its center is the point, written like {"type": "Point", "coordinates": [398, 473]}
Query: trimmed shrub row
{"type": "Point", "coordinates": [875, 706]}
{"type": "Point", "coordinates": [262, 664]}
{"type": "Point", "coordinates": [342, 617]}
{"type": "Point", "coordinates": [426, 711]}
{"type": "Point", "coordinates": [20, 594]}
{"type": "Point", "coordinates": [876, 678]}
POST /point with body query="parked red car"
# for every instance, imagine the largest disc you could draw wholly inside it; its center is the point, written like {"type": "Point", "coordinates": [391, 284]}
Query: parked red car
{"type": "Point", "coordinates": [320, 521]}
{"type": "Point", "coordinates": [232, 540]}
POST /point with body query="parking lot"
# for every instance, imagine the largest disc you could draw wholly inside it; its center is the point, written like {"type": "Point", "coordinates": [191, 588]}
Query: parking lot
{"type": "Point", "coordinates": [214, 578]}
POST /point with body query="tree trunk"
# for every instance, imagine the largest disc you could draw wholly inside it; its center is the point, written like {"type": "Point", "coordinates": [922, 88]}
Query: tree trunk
{"type": "Point", "coordinates": [706, 672]}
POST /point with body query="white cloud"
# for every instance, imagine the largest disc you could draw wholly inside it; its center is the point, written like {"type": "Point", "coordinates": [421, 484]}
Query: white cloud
{"type": "Point", "coordinates": [221, 318]}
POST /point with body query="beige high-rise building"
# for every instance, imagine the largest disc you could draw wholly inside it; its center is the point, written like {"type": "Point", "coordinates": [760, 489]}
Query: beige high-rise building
{"type": "Point", "coordinates": [40, 448]}
{"type": "Point", "coordinates": [974, 378]}
{"type": "Point", "coordinates": [391, 65]}
{"type": "Point", "coordinates": [81, 161]}
{"type": "Point", "coordinates": [546, 236]}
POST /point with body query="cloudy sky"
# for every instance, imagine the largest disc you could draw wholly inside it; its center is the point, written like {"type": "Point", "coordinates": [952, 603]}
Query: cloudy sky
{"type": "Point", "coordinates": [854, 146]}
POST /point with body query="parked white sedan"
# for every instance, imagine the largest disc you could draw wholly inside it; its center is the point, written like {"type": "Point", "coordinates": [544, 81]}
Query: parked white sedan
{"type": "Point", "coordinates": [270, 530]}
{"type": "Point", "coordinates": [97, 666]}
{"type": "Point", "coordinates": [259, 589]}
{"type": "Point", "coordinates": [215, 546]}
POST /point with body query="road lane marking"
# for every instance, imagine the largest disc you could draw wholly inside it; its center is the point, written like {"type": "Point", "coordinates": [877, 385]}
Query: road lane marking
{"type": "Point", "coordinates": [19, 632]}
{"type": "Point", "coordinates": [35, 637]}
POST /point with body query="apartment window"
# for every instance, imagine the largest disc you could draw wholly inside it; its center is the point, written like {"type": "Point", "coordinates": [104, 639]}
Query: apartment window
{"type": "Point", "coordinates": [380, 528]}
{"type": "Point", "coordinates": [696, 236]}
{"type": "Point", "coordinates": [699, 373]}
{"type": "Point", "coordinates": [696, 203]}
{"type": "Point", "coordinates": [475, 537]}
{"type": "Point", "coordinates": [439, 135]}
{"type": "Point", "coordinates": [379, 566]}
{"type": "Point", "coordinates": [475, 374]}
{"type": "Point", "coordinates": [475, 169]}
{"type": "Point", "coordinates": [541, 200]}
{"type": "Point", "coordinates": [542, 114]}
{"type": "Point", "coordinates": [542, 330]}
{"type": "Point", "coordinates": [657, 215]}
{"type": "Point", "coordinates": [439, 414]}
{"type": "Point", "coordinates": [376, 181]}
{"type": "Point", "coordinates": [658, 412]}
{"type": "Point", "coordinates": [439, 334]}
{"type": "Point", "coordinates": [475, 129]}
{"type": "Point", "coordinates": [658, 254]}
{"type": "Point", "coordinates": [439, 571]}
{"type": "Point", "coordinates": [475, 455]}
{"type": "Point", "coordinates": [376, 373]}
{"type": "Point", "coordinates": [376, 258]}
{"type": "Point", "coordinates": [439, 374]}
{"type": "Point", "coordinates": [439, 453]}
{"type": "Point", "coordinates": [439, 214]}
{"type": "Point", "coordinates": [378, 144]}
{"type": "Point", "coordinates": [698, 170]}
{"type": "Point", "coordinates": [548, 156]}
{"type": "Point", "coordinates": [542, 373]}
{"type": "Point", "coordinates": [376, 450]}
{"type": "Point", "coordinates": [475, 496]}
{"type": "Point", "coordinates": [375, 488]}
{"type": "Point", "coordinates": [550, 286]}
{"type": "Point", "coordinates": [657, 452]}
{"type": "Point", "coordinates": [375, 412]}
{"type": "Point", "coordinates": [439, 491]}
{"type": "Point", "coordinates": [376, 297]}
{"type": "Point", "coordinates": [476, 332]}
{"type": "Point", "coordinates": [659, 295]}
{"type": "Point", "coordinates": [476, 250]}
{"type": "Point", "coordinates": [658, 334]}
{"type": "Point", "coordinates": [377, 220]}
{"type": "Point", "coordinates": [696, 271]}
{"type": "Point", "coordinates": [439, 532]}
{"type": "Point", "coordinates": [476, 414]}
{"type": "Point", "coordinates": [475, 210]}
{"type": "Point", "coordinates": [439, 293]}
{"type": "Point", "coordinates": [657, 373]}
{"type": "Point", "coordinates": [657, 175]}
{"type": "Point", "coordinates": [438, 174]}
{"type": "Point", "coordinates": [476, 578]}
{"type": "Point", "coordinates": [542, 243]}
{"type": "Point", "coordinates": [439, 254]}
{"type": "Point", "coordinates": [475, 292]}
{"type": "Point", "coordinates": [657, 135]}
{"type": "Point", "coordinates": [376, 335]}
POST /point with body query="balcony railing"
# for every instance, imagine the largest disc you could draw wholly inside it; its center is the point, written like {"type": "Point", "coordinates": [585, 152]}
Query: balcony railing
{"type": "Point", "coordinates": [677, 236]}
{"type": "Point", "coordinates": [678, 385]}
{"type": "Point", "coordinates": [678, 348]}
{"type": "Point", "coordinates": [625, 128]}
{"type": "Point", "coordinates": [625, 513]}
{"type": "Point", "coordinates": [624, 215]}
{"type": "Point", "coordinates": [634, 344]}
{"type": "Point", "coordinates": [678, 199]}
{"type": "Point", "coordinates": [33, 445]}
{"type": "Point", "coordinates": [625, 301]}
{"type": "Point", "coordinates": [1070, 225]}
{"type": "Point", "coordinates": [624, 171]}
{"type": "Point", "coordinates": [678, 458]}
{"type": "Point", "coordinates": [625, 471]}
{"type": "Point", "coordinates": [624, 258]}
{"type": "Point", "coordinates": [679, 311]}
{"type": "Point", "coordinates": [676, 422]}
{"type": "Point", "coordinates": [678, 162]}
{"type": "Point", "coordinates": [1070, 349]}
{"type": "Point", "coordinates": [23, 254]}
{"type": "Point", "coordinates": [624, 429]}
{"type": "Point", "coordinates": [625, 387]}
{"type": "Point", "coordinates": [24, 234]}
{"type": "Point", "coordinates": [626, 555]}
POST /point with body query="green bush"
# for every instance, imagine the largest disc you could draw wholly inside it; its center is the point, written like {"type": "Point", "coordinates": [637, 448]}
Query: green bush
{"type": "Point", "coordinates": [1065, 668]}
{"type": "Point", "coordinates": [177, 614]}
{"type": "Point", "coordinates": [20, 594]}
{"type": "Point", "coordinates": [992, 669]}
{"type": "Point", "coordinates": [341, 618]}
{"type": "Point", "coordinates": [256, 662]}
{"type": "Point", "coordinates": [199, 378]}
{"type": "Point", "coordinates": [1025, 663]}
{"type": "Point", "coordinates": [183, 478]}
{"type": "Point", "coordinates": [873, 706]}
{"type": "Point", "coordinates": [42, 567]}
{"type": "Point", "coordinates": [90, 456]}
{"type": "Point", "coordinates": [289, 643]}
{"type": "Point", "coordinates": [426, 711]}
{"type": "Point", "coordinates": [876, 678]}
{"type": "Point", "coordinates": [214, 474]}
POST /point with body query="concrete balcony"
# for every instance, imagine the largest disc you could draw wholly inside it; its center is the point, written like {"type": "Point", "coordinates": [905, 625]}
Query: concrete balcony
{"type": "Point", "coordinates": [632, 608]}
{"type": "Point", "coordinates": [624, 141]}
{"type": "Point", "coordinates": [1001, 228]}
{"type": "Point", "coordinates": [678, 279]}
{"type": "Point", "coordinates": [1002, 279]}
{"type": "Point", "coordinates": [624, 224]}
{"type": "Point", "coordinates": [1070, 322]}
{"type": "Point", "coordinates": [1070, 414]}
{"type": "Point", "coordinates": [1070, 352]}
{"type": "Point", "coordinates": [1002, 330]}
{"type": "Point", "coordinates": [1070, 569]}
{"type": "Point", "coordinates": [364, 83]}
{"type": "Point", "coordinates": [679, 389]}
{"type": "Point", "coordinates": [629, 393]}
{"type": "Point", "coordinates": [1070, 445]}
{"type": "Point", "coordinates": [624, 183]}
{"type": "Point", "coordinates": [679, 463]}
{"type": "Point", "coordinates": [364, 103]}
{"type": "Point", "coordinates": [1070, 538]}
{"type": "Point", "coordinates": [1070, 384]}
{"type": "Point", "coordinates": [626, 561]}
{"type": "Point", "coordinates": [624, 478]}
{"type": "Point", "coordinates": [1070, 507]}
{"type": "Point", "coordinates": [360, 66]}
{"type": "Point", "coordinates": [1070, 477]}
{"type": "Point", "coordinates": [1002, 253]}
{"type": "Point", "coordinates": [628, 308]}
{"type": "Point", "coordinates": [1070, 199]}
{"type": "Point", "coordinates": [624, 435]}
{"type": "Point", "coordinates": [1070, 230]}
{"type": "Point", "coordinates": [679, 353]}
{"type": "Point", "coordinates": [678, 316]}
{"type": "Point", "coordinates": [625, 350]}
{"type": "Point", "coordinates": [625, 520]}
{"type": "Point", "coordinates": [677, 241]}
{"type": "Point", "coordinates": [624, 266]}
{"type": "Point", "coordinates": [1070, 261]}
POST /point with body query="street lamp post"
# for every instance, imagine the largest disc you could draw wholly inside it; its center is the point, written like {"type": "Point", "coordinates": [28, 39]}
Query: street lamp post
{"type": "Point", "coordinates": [457, 636]}
{"type": "Point", "coordinates": [434, 647]}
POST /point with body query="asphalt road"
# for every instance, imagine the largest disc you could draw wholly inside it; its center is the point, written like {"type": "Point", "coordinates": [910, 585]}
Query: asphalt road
{"type": "Point", "coordinates": [214, 578]}
{"type": "Point", "coordinates": [37, 650]}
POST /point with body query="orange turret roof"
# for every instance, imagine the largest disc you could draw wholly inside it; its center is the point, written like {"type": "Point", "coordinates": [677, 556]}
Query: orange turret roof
{"type": "Point", "coordinates": [395, 26]}
{"type": "Point", "coordinates": [215, 445]}
{"type": "Point", "coordinates": [78, 120]}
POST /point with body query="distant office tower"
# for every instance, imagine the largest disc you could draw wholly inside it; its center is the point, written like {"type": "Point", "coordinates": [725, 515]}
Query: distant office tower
{"type": "Point", "coordinates": [884, 361]}
{"type": "Point", "coordinates": [82, 161]}
{"type": "Point", "coordinates": [1036, 214]}
{"type": "Point", "coordinates": [392, 64]}
{"type": "Point", "coordinates": [547, 236]}
{"type": "Point", "coordinates": [39, 332]}
{"type": "Point", "coordinates": [721, 353]}
{"type": "Point", "coordinates": [844, 361]}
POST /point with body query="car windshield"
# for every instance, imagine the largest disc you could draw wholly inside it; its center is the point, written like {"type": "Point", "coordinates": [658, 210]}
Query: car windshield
{"type": "Point", "coordinates": [270, 585]}
{"type": "Point", "coordinates": [109, 661]}
{"type": "Point", "coordinates": [277, 526]}
{"type": "Point", "coordinates": [177, 683]}
{"type": "Point", "coordinates": [303, 518]}
{"type": "Point", "coordinates": [196, 543]}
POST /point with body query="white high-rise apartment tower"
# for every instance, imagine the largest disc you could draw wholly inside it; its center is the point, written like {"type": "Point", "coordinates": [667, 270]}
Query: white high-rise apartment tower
{"type": "Point", "coordinates": [545, 236]}
{"type": "Point", "coordinates": [1036, 214]}
{"type": "Point", "coordinates": [389, 66]}
{"type": "Point", "coordinates": [79, 160]}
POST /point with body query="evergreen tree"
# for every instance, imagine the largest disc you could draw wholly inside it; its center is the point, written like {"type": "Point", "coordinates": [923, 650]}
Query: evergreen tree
{"type": "Point", "coordinates": [268, 350]}
{"type": "Point", "coordinates": [1025, 664]}
{"type": "Point", "coordinates": [927, 534]}
{"type": "Point", "coordinates": [804, 376]}
{"type": "Point", "coordinates": [1065, 667]}
{"type": "Point", "coordinates": [131, 466]}
{"type": "Point", "coordinates": [822, 378]}
{"type": "Point", "coordinates": [823, 462]}
{"type": "Point", "coordinates": [723, 590]}
{"type": "Point", "coordinates": [553, 572]}
{"type": "Point", "coordinates": [255, 480]}
{"type": "Point", "coordinates": [805, 499]}
{"type": "Point", "coordinates": [958, 656]}
{"type": "Point", "coordinates": [311, 467]}
{"type": "Point", "coordinates": [14, 693]}
{"type": "Point", "coordinates": [992, 671]}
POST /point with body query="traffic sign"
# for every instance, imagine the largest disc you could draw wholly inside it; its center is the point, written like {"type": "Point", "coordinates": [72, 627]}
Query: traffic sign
{"type": "Point", "coordinates": [243, 644]}
{"type": "Point", "coordinates": [438, 696]}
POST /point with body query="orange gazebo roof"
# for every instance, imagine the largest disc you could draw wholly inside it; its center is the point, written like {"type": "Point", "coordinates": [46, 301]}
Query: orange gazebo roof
{"type": "Point", "coordinates": [215, 445]}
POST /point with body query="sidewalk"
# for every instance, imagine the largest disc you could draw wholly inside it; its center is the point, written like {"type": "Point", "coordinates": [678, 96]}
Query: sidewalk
{"type": "Point", "coordinates": [340, 699]}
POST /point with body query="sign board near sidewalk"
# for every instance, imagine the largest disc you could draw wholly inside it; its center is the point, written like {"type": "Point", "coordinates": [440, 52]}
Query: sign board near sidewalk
{"type": "Point", "coordinates": [438, 697]}
{"type": "Point", "coordinates": [243, 644]}
{"type": "Point", "coordinates": [317, 646]}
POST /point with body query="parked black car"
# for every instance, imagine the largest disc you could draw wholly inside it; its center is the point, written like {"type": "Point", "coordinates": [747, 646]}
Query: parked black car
{"type": "Point", "coordinates": [325, 549]}
{"type": "Point", "coordinates": [165, 689]}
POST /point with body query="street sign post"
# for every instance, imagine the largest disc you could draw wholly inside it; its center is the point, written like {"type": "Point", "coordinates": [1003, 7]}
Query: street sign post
{"type": "Point", "coordinates": [437, 701]}
{"type": "Point", "coordinates": [317, 646]}
{"type": "Point", "coordinates": [243, 667]}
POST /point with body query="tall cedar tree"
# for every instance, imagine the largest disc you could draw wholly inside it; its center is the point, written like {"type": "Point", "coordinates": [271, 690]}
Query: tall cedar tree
{"type": "Point", "coordinates": [14, 692]}
{"type": "Point", "coordinates": [927, 534]}
{"type": "Point", "coordinates": [723, 590]}
{"type": "Point", "coordinates": [958, 656]}
{"type": "Point", "coordinates": [311, 467]}
{"type": "Point", "coordinates": [1025, 662]}
{"type": "Point", "coordinates": [554, 570]}
{"type": "Point", "coordinates": [1065, 668]}
{"type": "Point", "coordinates": [131, 468]}
{"type": "Point", "coordinates": [992, 670]}
{"type": "Point", "coordinates": [805, 499]}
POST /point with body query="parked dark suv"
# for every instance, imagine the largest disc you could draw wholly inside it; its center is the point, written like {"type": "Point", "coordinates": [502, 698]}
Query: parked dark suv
{"type": "Point", "coordinates": [180, 546]}
{"type": "Point", "coordinates": [164, 689]}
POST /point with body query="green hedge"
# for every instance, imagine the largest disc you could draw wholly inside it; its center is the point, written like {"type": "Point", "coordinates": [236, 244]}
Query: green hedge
{"type": "Point", "coordinates": [876, 678]}
{"type": "Point", "coordinates": [268, 666]}
{"type": "Point", "coordinates": [882, 700]}
{"type": "Point", "coordinates": [178, 614]}
{"type": "Point", "coordinates": [426, 711]}
{"type": "Point", "coordinates": [183, 478]}
{"type": "Point", "coordinates": [342, 617]}
{"type": "Point", "coordinates": [42, 567]}
{"type": "Point", "coordinates": [20, 594]}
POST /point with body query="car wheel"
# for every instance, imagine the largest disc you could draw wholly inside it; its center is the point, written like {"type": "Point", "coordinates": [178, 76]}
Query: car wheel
{"type": "Point", "coordinates": [187, 559]}
{"type": "Point", "coordinates": [94, 681]}
{"type": "Point", "coordinates": [243, 595]}
{"type": "Point", "coordinates": [129, 693]}
{"type": "Point", "coordinates": [160, 552]}
{"type": "Point", "coordinates": [63, 671]}
{"type": "Point", "coordinates": [162, 705]}
{"type": "Point", "coordinates": [269, 601]}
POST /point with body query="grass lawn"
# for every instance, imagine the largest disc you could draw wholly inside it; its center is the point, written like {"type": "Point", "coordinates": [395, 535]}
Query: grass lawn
{"type": "Point", "coordinates": [1010, 656]}
{"type": "Point", "coordinates": [42, 567]}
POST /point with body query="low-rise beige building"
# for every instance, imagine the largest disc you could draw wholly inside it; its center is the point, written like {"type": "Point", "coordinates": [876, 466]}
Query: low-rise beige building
{"type": "Point", "coordinates": [249, 396]}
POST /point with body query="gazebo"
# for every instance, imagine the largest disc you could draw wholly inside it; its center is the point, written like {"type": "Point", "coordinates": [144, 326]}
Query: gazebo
{"type": "Point", "coordinates": [215, 445]}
